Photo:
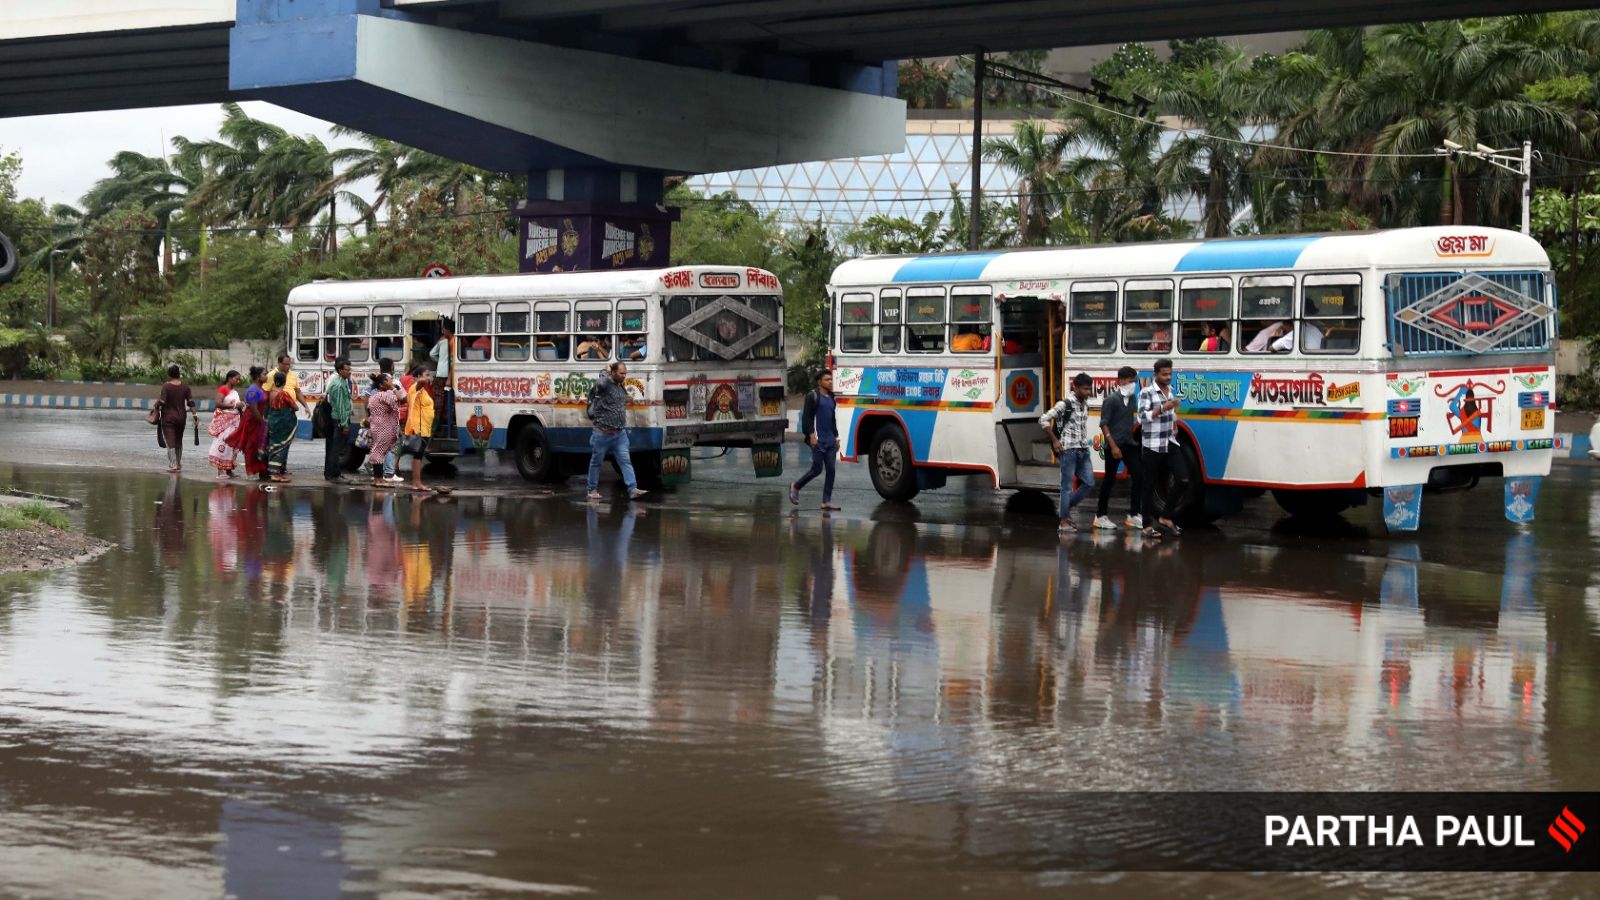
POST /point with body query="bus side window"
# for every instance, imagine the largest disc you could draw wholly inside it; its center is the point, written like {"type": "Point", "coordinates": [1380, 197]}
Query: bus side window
{"type": "Point", "coordinates": [1092, 317]}
{"type": "Point", "coordinates": [1147, 317]}
{"type": "Point", "coordinates": [1020, 326]}
{"type": "Point", "coordinates": [855, 323]}
{"type": "Point", "coordinates": [1205, 311]}
{"type": "Point", "coordinates": [971, 320]}
{"type": "Point", "coordinates": [594, 331]}
{"type": "Point", "coordinates": [511, 333]}
{"type": "Point", "coordinates": [630, 341]}
{"type": "Point", "coordinates": [552, 342]}
{"type": "Point", "coordinates": [1330, 314]}
{"type": "Point", "coordinates": [925, 321]}
{"type": "Point", "coordinates": [889, 320]}
{"type": "Point", "coordinates": [305, 337]}
{"type": "Point", "coordinates": [1266, 314]}
{"type": "Point", "coordinates": [472, 334]}
{"type": "Point", "coordinates": [353, 337]}
{"type": "Point", "coordinates": [387, 342]}
{"type": "Point", "coordinates": [330, 334]}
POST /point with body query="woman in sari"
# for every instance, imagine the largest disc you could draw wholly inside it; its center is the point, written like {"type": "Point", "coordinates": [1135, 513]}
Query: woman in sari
{"type": "Point", "coordinates": [250, 438]}
{"type": "Point", "coordinates": [224, 423]}
{"type": "Point", "coordinates": [383, 428]}
{"type": "Point", "coordinates": [281, 422]}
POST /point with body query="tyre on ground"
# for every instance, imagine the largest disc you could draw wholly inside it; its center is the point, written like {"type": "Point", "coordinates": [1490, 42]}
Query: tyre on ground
{"type": "Point", "coordinates": [889, 464]}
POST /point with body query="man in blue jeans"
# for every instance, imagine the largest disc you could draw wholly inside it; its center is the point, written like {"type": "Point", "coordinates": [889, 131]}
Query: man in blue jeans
{"type": "Point", "coordinates": [821, 429]}
{"type": "Point", "coordinates": [608, 410]}
{"type": "Point", "coordinates": [1067, 423]}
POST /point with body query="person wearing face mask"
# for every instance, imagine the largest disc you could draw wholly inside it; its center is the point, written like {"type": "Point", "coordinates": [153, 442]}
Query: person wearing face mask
{"type": "Point", "coordinates": [1118, 414]}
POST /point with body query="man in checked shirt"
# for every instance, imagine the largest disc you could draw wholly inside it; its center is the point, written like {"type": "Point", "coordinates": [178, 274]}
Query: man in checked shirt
{"type": "Point", "coordinates": [1158, 419]}
{"type": "Point", "coordinates": [1067, 423]}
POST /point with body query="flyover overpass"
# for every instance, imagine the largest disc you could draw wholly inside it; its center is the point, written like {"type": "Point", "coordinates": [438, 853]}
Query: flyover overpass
{"type": "Point", "coordinates": [596, 99]}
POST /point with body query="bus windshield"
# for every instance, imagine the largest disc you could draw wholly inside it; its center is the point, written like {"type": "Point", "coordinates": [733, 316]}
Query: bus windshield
{"type": "Point", "coordinates": [723, 327]}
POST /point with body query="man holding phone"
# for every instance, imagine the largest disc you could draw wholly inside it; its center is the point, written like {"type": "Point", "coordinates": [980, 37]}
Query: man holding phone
{"type": "Point", "coordinates": [1158, 419]}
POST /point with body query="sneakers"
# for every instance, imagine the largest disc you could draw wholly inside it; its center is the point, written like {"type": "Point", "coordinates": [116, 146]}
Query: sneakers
{"type": "Point", "coordinates": [394, 479]}
{"type": "Point", "coordinates": [1104, 524]}
{"type": "Point", "coordinates": [1066, 527]}
{"type": "Point", "coordinates": [593, 495]}
{"type": "Point", "coordinates": [635, 494]}
{"type": "Point", "coordinates": [1136, 522]}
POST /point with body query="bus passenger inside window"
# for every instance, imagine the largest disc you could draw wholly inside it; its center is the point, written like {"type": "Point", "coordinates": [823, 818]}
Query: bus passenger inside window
{"type": "Point", "coordinates": [1147, 314]}
{"type": "Point", "coordinates": [1331, 318]}
{"type": "Point", "coordinates": [593, 346]}
{"type": "Point", "coordinates": [969, 339]}
{"type": "Point", "coordinates": [925, 323]}
{"type": "Point", "coordinates": [1276, 337]}
{"type": "Point", "coordinates": [633, 347]}
{"type": "Point", "coordinates": [1266, 314]}
{"type": "Point", "coordinates": [1022, 325]}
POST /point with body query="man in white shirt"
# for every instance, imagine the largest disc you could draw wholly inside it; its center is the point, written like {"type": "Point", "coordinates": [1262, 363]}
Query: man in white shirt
{"type": "Point", "coordinates": [1277, 337]}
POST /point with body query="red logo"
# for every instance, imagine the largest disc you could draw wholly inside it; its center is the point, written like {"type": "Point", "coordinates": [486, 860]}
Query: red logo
{"type": "Point", "coordinates": [718, 280]}
{"type": "Point", "coordinates": [1566, 828]}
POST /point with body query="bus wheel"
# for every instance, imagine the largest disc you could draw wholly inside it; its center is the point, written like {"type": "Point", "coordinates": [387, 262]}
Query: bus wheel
{"type": "Point", "coordinates": [536, 459]}
{"type": "Point", "coordinates": [889, 463]}
{"type": "Point", "coordinates": [1317, 504]}
{"type": "Point", "coordinates": [647, 469]}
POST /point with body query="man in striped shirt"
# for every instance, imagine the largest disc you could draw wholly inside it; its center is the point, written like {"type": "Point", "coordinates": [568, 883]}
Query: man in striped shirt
{"type": "Point", "coordinates": [1159, 456]}
{"type": "Point", "coordinates": [1067, 423]}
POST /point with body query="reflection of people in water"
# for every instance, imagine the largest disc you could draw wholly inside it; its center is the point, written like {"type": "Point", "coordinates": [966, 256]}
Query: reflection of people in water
{"type": "Point", "coordinates": [1466, 415]}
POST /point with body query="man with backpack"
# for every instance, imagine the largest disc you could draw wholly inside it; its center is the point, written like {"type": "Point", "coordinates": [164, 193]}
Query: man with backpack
{"type": "Point", "coordinates": [821, 430]}
{"type": "Point", "coordinates": [608, 410]}
{"type": "Point", "coordinates": [1067, 424]}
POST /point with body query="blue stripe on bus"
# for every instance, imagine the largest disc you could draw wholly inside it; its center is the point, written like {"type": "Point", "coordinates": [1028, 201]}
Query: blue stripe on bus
{"type": "Point", "coordinates": [1266, 253]}
{"type": "Point", "coordinates": [962, 267]}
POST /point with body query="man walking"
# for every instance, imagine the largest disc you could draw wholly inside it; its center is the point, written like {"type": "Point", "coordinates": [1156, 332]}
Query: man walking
{"type": "Point", "coordinates": [341, 409]}
{"type": "Point", "coordinates": [608, 410]}
{"type": "Point", "coordinates": [821, 429]}
{"type": "Point", "coordinates": [1117, 415]}
{"type": "Point", "coordinates": [1067, 424]}
{"type": "Point", "coordinates": [1158, 420]}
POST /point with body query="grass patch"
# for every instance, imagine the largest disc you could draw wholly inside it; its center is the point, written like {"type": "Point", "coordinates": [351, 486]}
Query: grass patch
{"type": "Point", "coordinates": [31, 514]}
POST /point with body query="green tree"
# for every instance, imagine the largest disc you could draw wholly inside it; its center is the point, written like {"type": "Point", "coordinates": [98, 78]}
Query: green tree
{"type": "Point", "coordinates": [896, 234]}
{"type": "Point", "coordinates": [121, 276]}
{"type": "Point", "coordinates": [1210, 87]}
{"type": "Point", "coordinates": [1034, 153]}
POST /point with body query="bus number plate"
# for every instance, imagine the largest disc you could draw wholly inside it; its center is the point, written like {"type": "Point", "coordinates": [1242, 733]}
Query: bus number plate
{"type": "Point", "coordinates": [1532, 419]}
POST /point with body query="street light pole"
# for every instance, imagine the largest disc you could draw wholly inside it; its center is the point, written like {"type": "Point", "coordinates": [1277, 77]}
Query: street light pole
{"type": "Point", "coordinates": [1501, 159]}
{"type": "Point", "coordinates": [1527, 185]}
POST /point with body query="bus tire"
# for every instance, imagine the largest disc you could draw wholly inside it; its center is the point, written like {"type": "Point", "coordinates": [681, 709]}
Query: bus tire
{"type": "Point", "coordinates": [889, 464]}
{"type": "Point", "coordinates": [536, 459]}
{"type": "Point", "coordinates": [1322, 504]}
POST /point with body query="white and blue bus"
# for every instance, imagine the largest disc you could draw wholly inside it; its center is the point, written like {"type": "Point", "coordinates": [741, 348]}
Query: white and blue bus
{"type": "Point", "coordinates": [1323, 368]}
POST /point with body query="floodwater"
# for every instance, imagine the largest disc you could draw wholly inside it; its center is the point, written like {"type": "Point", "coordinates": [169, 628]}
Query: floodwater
{"type": "Point", "coordinates": [316, 692]}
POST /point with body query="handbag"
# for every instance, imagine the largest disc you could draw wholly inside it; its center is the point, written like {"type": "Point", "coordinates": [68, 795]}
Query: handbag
{"type": "Point", "coordinates": [413, 444]}
{"type": "Point", "coordinates": [364, 438]}
{"type": "Point", "coordinates": [154, 415]}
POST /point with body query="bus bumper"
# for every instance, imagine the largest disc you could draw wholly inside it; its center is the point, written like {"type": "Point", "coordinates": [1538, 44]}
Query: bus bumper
{"type": "Point", "coordinates": [763, 437]}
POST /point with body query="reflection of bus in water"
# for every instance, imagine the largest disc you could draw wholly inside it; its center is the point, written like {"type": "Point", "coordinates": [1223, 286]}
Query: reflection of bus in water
{"type": "Point", "coordinates": [926, 627]}
{"type": "Point", "coordinates": [1321, 368]}
{"type": "Point", "coordinates": [703, 346]}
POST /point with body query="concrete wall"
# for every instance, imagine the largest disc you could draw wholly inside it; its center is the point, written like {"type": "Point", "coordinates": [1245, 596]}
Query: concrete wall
{"type": "Point", "coordinates": [240, 355]}
{"type": "Point", "coordinates": [1573, 357]}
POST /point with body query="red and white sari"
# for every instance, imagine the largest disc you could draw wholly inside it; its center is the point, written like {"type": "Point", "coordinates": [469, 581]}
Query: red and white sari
{"type": "Point", "coordinates": [224, 422]}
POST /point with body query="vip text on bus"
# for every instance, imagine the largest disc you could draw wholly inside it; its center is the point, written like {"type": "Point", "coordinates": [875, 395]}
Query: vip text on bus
{"type": "Point", "coordinates": [1325, 369]}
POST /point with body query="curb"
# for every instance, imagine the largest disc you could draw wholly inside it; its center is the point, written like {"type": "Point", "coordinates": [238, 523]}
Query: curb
{"type": "Point", "coordinates": [57, 401]}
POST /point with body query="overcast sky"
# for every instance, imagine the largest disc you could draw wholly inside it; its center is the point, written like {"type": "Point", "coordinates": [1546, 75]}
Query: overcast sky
{"type": "Point", "coordinates": [62, 156]}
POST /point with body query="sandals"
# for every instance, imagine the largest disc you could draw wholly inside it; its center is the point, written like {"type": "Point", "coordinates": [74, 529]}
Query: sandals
{"type": "Point", "coordinates": [1153, 533]}
{"type": "Point", "coordinates": [794, 495]}
{"type": "Point", "coordinates": [831, 507]}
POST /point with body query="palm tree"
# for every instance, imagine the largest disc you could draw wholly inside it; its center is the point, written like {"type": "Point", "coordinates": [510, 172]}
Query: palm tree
{"type": "Point", "coordinates": [1116, 165]}
{"type": "Point", "coordinates": [1213, 94]}
{"type": "Point", "coordinates": [1034, 152]}
{"type": "Point", "coordinates": [1458, 80]}
{"type": "Point", "coordinates": [151, 183]}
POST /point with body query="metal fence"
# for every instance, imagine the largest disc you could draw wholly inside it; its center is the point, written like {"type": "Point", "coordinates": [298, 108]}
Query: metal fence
{"type": "Point", "coordinates": [1444, 313]}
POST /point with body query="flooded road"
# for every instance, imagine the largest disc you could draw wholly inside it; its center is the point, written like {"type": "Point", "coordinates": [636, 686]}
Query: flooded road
{"type": "Point", "coordinates": [318, 692]}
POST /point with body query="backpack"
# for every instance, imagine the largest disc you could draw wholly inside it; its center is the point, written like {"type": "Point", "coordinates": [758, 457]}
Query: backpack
{"type": "Point", "coordinates": [322, 419]}
{"type": "Point", "coordinates": [594, 394]}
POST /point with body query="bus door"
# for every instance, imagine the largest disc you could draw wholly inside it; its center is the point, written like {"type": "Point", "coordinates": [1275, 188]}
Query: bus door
{"type": "Point", "coordinates": [1030, 372]}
